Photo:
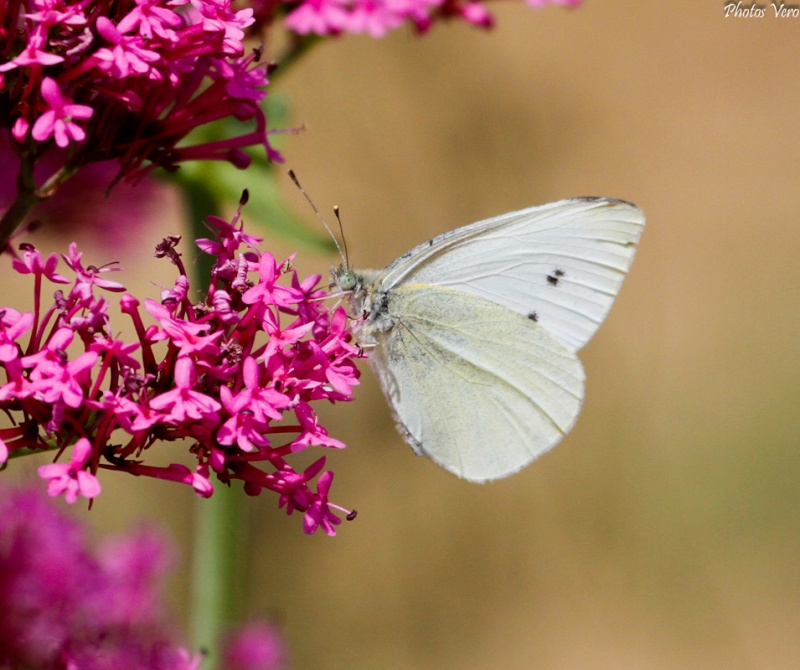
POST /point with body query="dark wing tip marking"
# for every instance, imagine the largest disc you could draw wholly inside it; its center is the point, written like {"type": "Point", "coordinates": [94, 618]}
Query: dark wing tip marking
{"type": "Point", "coordinates": [592, 199]}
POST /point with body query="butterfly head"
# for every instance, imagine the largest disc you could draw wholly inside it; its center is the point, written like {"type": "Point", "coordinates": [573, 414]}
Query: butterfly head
{"type": "Point", "coordinates": [368, 303]}
{"type": "Point", "coordinates": [350, 284]}
{"type": "Point", "coordinates": [345, 279]}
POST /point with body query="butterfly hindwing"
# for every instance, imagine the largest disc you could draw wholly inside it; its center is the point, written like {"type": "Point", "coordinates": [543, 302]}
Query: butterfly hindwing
{"type": "Point", "coordinates": [480, 389]}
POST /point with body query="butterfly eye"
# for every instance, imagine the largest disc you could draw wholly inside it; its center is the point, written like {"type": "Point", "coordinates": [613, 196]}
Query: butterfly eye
{"type": "Point", "coordinates": [347, 280]}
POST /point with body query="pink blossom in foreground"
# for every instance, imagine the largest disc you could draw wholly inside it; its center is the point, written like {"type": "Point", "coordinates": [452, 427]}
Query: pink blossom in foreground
{"type": "Point", "coordinates": [237, 372]}
{"type": "Point", "coordinates": [72, 478]}
{"type": "Point", "coordinates": [65, 605]}
{"type": "Point", "coordinates": [59, 118]}
{"type": "Point", "coordinates": [256, 646]}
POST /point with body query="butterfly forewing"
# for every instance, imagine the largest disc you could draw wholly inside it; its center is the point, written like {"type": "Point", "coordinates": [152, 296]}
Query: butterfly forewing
{"type": "Point", "coordinates": [560, 264]}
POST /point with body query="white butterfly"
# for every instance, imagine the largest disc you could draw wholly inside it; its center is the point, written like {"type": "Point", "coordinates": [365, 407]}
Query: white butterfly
{"type": "Point", "coordinates": [474, 333]}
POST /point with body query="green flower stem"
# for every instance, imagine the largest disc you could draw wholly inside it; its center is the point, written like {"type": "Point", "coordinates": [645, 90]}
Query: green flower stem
{"type": "Point", "coordinates": [14, 215]}
{"type": "Point", "coordinates": [217, 540]}
{"type": "Point", "coordinates": [218, 532]}
{"type": "Point", "coordinates": [29, 196]}
{"type": "Point", "coordinates": [217, 555]}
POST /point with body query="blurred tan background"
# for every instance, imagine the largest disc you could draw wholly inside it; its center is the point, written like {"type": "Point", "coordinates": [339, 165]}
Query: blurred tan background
{"type": "Point", "coordinates": [664, 531]}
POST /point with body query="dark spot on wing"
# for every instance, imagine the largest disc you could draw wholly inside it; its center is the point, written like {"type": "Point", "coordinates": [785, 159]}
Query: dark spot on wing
{"type": "Point", "coordinates": [533, 316]}
{"type": "Point", "coordinates": [553, 278]}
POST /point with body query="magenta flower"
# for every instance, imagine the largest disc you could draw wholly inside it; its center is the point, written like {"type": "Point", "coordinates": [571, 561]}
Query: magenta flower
{"type": "Point", "coordinates": [34, 53]}
{"type": "Point", "coordinates": [323, 17]}
{"type": "Point", "coordinates": [66, 605]}
{"type": "Point", "coordinates": [139, 83]}
{"type": "Point", "coordinates": [256, 646]}
{"type": "Point", "coordinates": [543, 3]}
{"type": "Point", "coordinates": [237, 373]}
{"type": "Point", "coordinates": [152, 19]}
{"type": "Point", "coordinates": [55, 379]}
{"type": "Point", "coordinates": [251, 411]}
{"type": "Point", "coordinates": [128, 57]}
{"type": "Point", "coordinates": [127, 82]}
{"type": "Point", "coordinates": [33, 263]}
{"type": "Point", "coordinates": [267, 290]}
{"type": "Point", "coordinates": [12, 326]}
{"type": "Point", "coordinates": [183, 403]}
{"type": "Point", "coordinates": [378, 17]}
{"type": "Point", "coordinates": [58, 119]}
{"type": "Point", "coordinates": [72, 478]}
{"type": "Point", "coordinates": [190, 337]}
{"type": "Point", "coordinates": [319, 513]}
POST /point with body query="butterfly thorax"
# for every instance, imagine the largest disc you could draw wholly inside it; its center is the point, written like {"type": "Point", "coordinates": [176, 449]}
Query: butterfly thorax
{"type": "Point", "coordinates": [368, 301]}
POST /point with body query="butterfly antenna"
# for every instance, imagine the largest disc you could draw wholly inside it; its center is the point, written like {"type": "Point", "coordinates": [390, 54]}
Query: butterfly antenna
{"type": "Point", "coordinates": [342, 235]}
{"type": "Point", "coordinates": [319, 216]}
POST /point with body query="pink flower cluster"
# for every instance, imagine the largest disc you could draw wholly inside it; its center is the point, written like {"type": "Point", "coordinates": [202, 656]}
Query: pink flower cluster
{"type": "Point", "coordinates": [133, 76]}
{"type": "Point", "coordinates": [378, 17]}
{"type": "Point", "coordinates": [65, 604]}
{"type": "Point", "coordinates": [227, 373]}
